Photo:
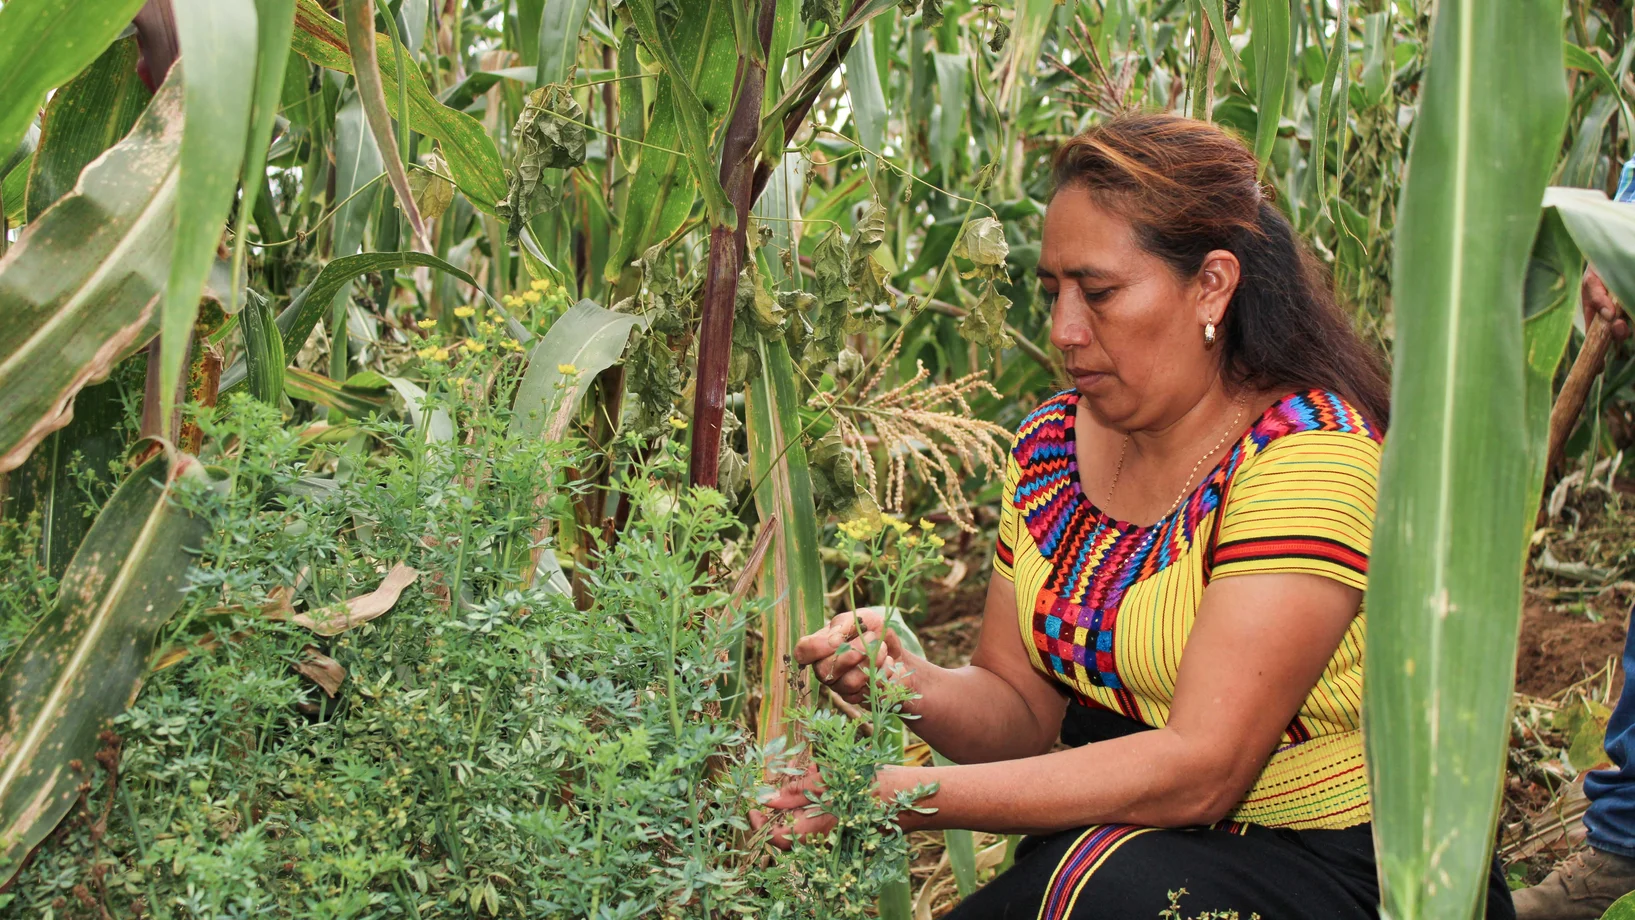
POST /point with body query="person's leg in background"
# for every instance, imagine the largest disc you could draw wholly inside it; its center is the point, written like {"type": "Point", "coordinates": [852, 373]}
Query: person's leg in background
{"type": "Point", "coordinates": [1587, 883]}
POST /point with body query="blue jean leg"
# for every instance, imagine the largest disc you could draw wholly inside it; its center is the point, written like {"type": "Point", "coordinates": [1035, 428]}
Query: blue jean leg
{"type": "Point", "coordinates": [1610, 820]}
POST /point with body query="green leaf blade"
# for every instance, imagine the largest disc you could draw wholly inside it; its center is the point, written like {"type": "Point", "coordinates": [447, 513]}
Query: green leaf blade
{"type": "Point", "coordinates": [218, 39]}
{"type": "Point", "coordinates": [82, 663]}
{"type": "Point", "coordinates": [80, 289]}
{"type": "Point", "coordinates": [1444, 588]}
{"type": "Point", "coordinates": [45, 42]}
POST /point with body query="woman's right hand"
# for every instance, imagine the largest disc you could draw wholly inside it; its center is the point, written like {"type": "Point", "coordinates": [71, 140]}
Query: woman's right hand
{"type": "Point", "coordinates": [839, 652]}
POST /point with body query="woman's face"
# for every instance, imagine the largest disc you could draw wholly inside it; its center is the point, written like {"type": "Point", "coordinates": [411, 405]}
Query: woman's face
{"type": "Point", "coordinates": [1131, 331]}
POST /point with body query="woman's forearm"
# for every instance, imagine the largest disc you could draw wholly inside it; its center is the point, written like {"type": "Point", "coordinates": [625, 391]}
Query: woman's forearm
{"type": "Point", "coordinates": [972, 715]}
{"type": "Point", "coordinates": [1151, 778]}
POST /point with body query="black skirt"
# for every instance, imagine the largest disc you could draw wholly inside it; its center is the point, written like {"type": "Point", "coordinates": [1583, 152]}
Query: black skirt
{"type": "Point", "coordinates": [1129, 872]}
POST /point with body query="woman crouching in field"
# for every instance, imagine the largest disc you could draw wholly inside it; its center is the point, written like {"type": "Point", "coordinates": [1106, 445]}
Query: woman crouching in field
{"type": "Point", "coordinates": [1178, 582]}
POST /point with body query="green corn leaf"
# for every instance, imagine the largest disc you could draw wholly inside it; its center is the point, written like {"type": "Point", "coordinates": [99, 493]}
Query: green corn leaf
{"type": "Point", "coordinates": [657, 204]}
{"type": "Point", "coordinates": [559, 26]}
{"type": "Point", "coordinates": [1553, 296]}
{"type": "Point", "coordinates": [473, 160]}
{"type": "Point", "coordinates": [436, 424]}
{"type": "Point", "coordinates": [1337, 59]}
{"type": "Point", "coordinates": [1272, 44]}
{"type": "Point", "coordinates": [588, 339]}
{"type": "Point", "coordinates": [1581, 164]}
{"type": "Point", "coordinates": [953, 80]}
{"type": "Point", "coordinates": [45, 42]}
{"type": "Point", "coordinates": [263, 350]}
{"type": "Point", "coordinates": [218, 39]}
{"type": "Point", "coordinates": [1444, 586]}
{"type": "Point", "coordinates": [359, 19]}
{"type": "Point", "coordinates": [960, 844]}
{"type": "Point", "coordinates": [86, 116]}
{"type": "Point", "coordinates": [1378, 55]}
{"type": "Point", "coordinates": [357, 164]}
{"type": "Point", "coordinates": [691, 114]}
{"type": "Point", "coordinates": [82, 663]}
{"type": "Point", "coordinates": [868, 100]}
{"type": "Point", "coordinates": [295, 321]}
{"type": "Point", "coordinates": [793, 578]}
{"type": "Point", "coordinates": [1604, 231]}
{"type": "Point", "coordinates": [462, 94]}
{"type": "Point", "coordinates": [357, 397]}
{"type": "Point", "coordinates": [275, 21]}
{"type": "Point", "coordinates": [80, 289]}
{"type": "Point", "coordinates": [1587, 61]}
{"type": "Point", "coordinates": [51, 482]}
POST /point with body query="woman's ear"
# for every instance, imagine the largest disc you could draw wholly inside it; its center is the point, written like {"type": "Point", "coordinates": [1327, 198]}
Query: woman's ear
{"type": "Point", "coordinates": [1216, 282]}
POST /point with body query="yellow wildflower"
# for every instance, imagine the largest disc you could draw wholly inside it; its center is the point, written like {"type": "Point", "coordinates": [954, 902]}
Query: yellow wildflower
{"type": "Point", "coordinates": [925, 524]}
{"type": "Point", "coordinates": [935, 540]}
{"type": "Point", "coordinates": [678, 423]}
{"type": "Point", "coordinates": [566, 370]}
{"type": "Point", "coordinates": [511, 345]}
{"type": "Point", "coordinates": [897, 523]}
{"type": "Point", "coordinates": [475, 347]}
{"type": "Point", "coordinates": [540, 284]}
{"type": "Point", "coordinates": [511, 300]}
{"type": "Point", "coordinates": [427, 324]}
{"type": "Point", "coordinates": [531, 297]}
{"type": "Point", "coordinates": [433, 353]}
{"type": "Point", "coordinates": [465, 312]}
{"type": "Point", "coordinates": [484, 325]}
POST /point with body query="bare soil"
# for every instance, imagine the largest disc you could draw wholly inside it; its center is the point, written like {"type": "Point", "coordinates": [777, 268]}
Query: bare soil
{"type": "Point", "coordinates": [1561, 644]}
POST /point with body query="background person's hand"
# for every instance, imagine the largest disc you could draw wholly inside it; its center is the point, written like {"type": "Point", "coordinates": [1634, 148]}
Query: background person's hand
{"type": "Point", "coordinates": [1597, 299]}
{"type": "Point", "coordinates": [839, 653]}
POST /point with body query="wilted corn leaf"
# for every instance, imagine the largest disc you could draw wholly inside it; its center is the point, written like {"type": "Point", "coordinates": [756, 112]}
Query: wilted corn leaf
{"type": "Point", "coordinates": [82, 663]}
{"type": "Point", "coordinates": [432, 193]}
{"type": "Point", "coordinates": [332, 621]}
{"type": "Point", "coordinates": [983, 242]}
{"type": "Point", "coordinates": [321, 669]}
{"type": "Point", "coordinates": [985, 323]}
{"type": "Point", "coordinates": [825, 11]}
{"type": "Point", "coordinates": [548, 135]}
{"type": "Point", "coordinates": [1445, 586]}
{"type": "Point", "coordinates": [80, 290]}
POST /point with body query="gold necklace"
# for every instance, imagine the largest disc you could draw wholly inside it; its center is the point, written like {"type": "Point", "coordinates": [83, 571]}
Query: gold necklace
{"type": "Point", "coordinates": [1187, 486]}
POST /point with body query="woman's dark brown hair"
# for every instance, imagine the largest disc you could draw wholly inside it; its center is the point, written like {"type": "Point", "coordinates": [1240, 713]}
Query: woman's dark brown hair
{"type": "Point", "coordinates": [1189, 188]}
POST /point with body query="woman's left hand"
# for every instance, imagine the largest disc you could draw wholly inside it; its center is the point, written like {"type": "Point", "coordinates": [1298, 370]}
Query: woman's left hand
{"type": "Point", "coordinates": [791, 812]}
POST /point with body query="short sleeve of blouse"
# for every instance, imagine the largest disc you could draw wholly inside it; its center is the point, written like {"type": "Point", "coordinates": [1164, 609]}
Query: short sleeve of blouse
{"type": "Point", "coordinates": [1010, 523]}
{"type": "Point", "coordinates": [1305, 505]}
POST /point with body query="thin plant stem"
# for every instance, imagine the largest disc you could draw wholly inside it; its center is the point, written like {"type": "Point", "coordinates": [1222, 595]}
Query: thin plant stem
{"type": "Point", "coordinates": [302, 235]}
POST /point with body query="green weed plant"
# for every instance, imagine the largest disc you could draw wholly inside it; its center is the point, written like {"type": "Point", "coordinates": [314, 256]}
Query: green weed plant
{"type": "Point", "coordinates": [493, 748]}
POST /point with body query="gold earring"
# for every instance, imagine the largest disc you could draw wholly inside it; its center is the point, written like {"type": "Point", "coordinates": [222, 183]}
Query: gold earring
{"type": "Point", "coordinates": [1209, 334]}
